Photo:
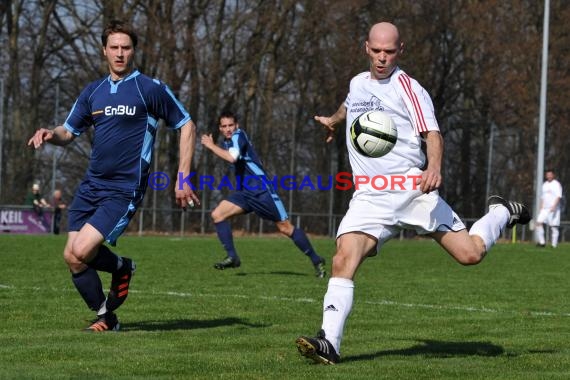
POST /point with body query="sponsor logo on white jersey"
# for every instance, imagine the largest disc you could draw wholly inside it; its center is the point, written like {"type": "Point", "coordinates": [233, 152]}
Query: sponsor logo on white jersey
{"type": "Point", "coordinates": [362, 106]}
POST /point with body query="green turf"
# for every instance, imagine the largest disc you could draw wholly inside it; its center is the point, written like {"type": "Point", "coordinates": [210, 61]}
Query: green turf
{"type": "Point", "coordinates": [417, 314]}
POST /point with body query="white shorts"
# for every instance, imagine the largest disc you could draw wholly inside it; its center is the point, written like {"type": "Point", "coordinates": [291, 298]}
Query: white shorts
{"type": "Point", "coordinates": [384, 215]}
{"type": "Point", "coordinates": [549, 217]}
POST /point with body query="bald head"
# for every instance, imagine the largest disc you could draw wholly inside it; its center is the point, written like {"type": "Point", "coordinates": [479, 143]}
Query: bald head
{"type": "Point", "coordinates": [384, 31]}
{"type": "Point", "coordinates": [383, 48]}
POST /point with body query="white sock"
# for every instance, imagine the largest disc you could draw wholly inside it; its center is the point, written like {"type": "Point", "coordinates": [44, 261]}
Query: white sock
{"type": "Point", "coordinates": [490, 226]}
{"type": "Point", "coordinates": [540, 234]}
{"type": "Point", "coordinates": [555, 234]}
{"type": "Point", "coordinates": [337, 305]}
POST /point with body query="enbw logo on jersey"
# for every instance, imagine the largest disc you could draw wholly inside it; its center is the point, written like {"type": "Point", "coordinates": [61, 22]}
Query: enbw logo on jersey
{"type": "Point", "coordinates": [120, 110]}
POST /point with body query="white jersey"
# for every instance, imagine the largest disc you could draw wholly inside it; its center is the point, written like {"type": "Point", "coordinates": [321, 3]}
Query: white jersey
{"type": "Point", "coordinates": [551, 190]}
{"type": "Point", "coordinates": [383, 211]}
{"type": "Point", "coordinates": [410, 107]}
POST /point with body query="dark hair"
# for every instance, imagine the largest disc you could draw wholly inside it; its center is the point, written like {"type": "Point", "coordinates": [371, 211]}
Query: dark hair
{"type": "Point", "coordinates": [227, 114]}
{"type": "Point", "coordinates": [119, 26]}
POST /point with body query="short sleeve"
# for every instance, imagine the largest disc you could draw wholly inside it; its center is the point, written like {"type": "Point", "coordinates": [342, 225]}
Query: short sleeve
{"type": "Point", "coordinates": [79, 118]}
{"type": "Point", "coordinates": [163, 104]}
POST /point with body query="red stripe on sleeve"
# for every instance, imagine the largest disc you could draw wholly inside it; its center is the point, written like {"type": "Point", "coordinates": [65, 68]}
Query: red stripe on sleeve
{"type": "Point", "coordinates": [420, 120]}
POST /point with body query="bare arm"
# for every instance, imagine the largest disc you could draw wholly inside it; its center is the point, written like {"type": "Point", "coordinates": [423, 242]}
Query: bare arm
{"type": "Point", "coordinates": [331, 122]}
{"type": "Point", "coordinates": [431, 177]}
{"type": "Point", "coordinates": [57, 136]}
{"type": "Point", "coordinates": [184, 194]}
{"type": "Point", "coordinates": [224, 154]}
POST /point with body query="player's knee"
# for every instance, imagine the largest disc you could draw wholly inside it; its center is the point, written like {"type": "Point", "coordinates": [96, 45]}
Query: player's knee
{"type": "Point", "coordinates": [78, 252]}
{"type": "Point", "coordinates": [342, 260]}
{"type": "Point", "coordinates": [469, 257]}
{"type": "Point", "coordinates": [216, 216]}
{"type": "Point", "coordinates": [72, 262]}
{"type": "Point", "coordinates": [286, 228]}
{"type": "Point", "coordinates": [68, 257]}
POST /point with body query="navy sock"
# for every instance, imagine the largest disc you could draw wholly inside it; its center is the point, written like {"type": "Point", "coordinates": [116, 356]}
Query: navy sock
{"type": "Point", "coordinates": [105, 260]}
{"type": "Point", "coordinates": [302, 242]}
{"type": "Point", "coordinates": [88, 283]}
{"type": "Point", "coordinates": [224, 231]}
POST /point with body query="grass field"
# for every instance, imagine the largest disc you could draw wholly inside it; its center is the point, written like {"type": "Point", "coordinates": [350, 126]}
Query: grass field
{"type": "Point", "coordinates": [417, 314]}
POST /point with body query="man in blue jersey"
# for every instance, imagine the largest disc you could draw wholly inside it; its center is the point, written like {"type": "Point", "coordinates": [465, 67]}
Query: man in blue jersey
{"type": "Point", "coordinates": [124, 109]}
{"type": "Point", "coordinates": [254, 194]}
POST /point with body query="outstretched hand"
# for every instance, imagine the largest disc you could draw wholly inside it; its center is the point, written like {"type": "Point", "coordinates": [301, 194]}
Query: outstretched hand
{"type": "Point", "coordinates": [186, 197]}
{"type": "Point", "coordinates": [42, 135]}
{"type": "Point", "coordinates": [329, 124]}
{"type": "Point", "coordinates": [430, 180]}
{"type": "Point", "coordinates": [207, 140]}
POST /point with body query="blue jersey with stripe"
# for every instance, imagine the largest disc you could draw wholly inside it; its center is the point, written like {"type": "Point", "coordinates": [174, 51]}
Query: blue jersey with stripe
{"type": "Point", "coordinates": [247, 168]}
{"type": "Point", "coordinates": [125, 117]}
{"type": "Point", "coordinates": [257, 192]}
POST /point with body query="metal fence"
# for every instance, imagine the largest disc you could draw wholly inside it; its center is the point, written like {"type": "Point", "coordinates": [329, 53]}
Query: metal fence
{"type": "Point", "coordinates": [196, 221]}
{"type": "Point", "coordinates": [176, 222]}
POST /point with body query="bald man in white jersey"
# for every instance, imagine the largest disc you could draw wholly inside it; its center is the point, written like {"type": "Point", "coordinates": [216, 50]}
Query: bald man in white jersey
{"type": "Point", "coordinates": [375, 216]}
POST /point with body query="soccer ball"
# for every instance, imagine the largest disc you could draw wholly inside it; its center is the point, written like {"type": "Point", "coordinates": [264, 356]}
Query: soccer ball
{"type": "Point", "coordinates": [373, 134]}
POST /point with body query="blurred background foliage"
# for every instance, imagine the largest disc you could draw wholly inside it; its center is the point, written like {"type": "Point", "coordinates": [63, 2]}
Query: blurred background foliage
{"type": "Point", "coordinates": [277, 63]}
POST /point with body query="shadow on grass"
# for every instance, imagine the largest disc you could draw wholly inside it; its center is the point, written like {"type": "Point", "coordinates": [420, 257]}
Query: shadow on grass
{"type": "Point", "coordinates": [281, 273]}
{"type": "Point", "coordinates": [187, 324]}
{"type": "Point", "coordinates": [436, 349]}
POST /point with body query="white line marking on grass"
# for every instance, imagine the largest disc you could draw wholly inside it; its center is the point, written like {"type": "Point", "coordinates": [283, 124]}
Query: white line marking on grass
{"type": "Point", "coordinates": [435, 307]}
{"type": "Point", "coordinates": [470, 309]}
{"type": "Point", "coordinates": [275, 298]}
{"type": "Point", "coordinates": [204, 295]}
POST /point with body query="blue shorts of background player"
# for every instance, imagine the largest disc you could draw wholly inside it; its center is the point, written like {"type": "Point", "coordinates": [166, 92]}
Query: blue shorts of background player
{"type": "Point", "coordinates": [264, 204]}
{"type": "Point", "coordinates": [268, 206]}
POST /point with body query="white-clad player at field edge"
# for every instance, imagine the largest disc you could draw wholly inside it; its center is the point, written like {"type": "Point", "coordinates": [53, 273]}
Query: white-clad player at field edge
{"type": "Point", "coordinates": [549, 209]}
{"type": "Point", "coordinates": [374, 216]}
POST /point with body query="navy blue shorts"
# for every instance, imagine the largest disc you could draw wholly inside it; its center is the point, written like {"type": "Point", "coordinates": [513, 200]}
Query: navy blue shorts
{"type": "Point", "coordinates": [108, 210]}
{"type": "Point", "coordinates": [265, 204]}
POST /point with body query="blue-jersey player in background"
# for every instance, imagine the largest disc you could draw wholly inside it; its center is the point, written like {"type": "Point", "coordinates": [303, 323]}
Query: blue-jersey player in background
{"type": "Point", "coordinates": [253, 194]}
{"type": "Point", "coordinates": [124, 109]}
